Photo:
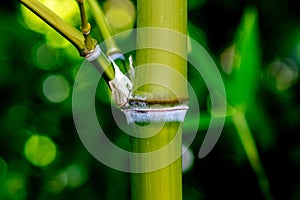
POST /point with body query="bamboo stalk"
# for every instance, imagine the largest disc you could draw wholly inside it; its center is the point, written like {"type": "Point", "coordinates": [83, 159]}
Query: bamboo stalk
{"type": "Point", "coordinates": [153, 66]}
{"type": "Point", "coordinates": [170, 14]}
{"type": "Point", "coordinates": [102, 25]}
{"type": "Point", "coordinates": [86, 27]}
{"type": "Point", "coordinates": [165, 183]}
{"type": "Point", "coordinates": [112, 48]}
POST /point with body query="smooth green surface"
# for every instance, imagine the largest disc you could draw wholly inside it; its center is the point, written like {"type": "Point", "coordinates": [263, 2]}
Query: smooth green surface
{"type": "Point", "coordinates": [165, 183]}
{"type": "Point", "coordinates": [161, 14]}
{"type": "Point", "coordinates": [153, 66]}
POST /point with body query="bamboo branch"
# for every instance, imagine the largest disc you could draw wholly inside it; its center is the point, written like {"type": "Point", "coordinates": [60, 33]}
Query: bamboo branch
{"type": "Point", "coordinates": [86, 27]}
{"type": "Point", "coordinates": [97, 12]}
{"type": "Point", "coordinates": [83, 42]}
{"type": "Point", "coordinates": [112, 49]}
{"type": "Point", "coordinates": [66, 30]}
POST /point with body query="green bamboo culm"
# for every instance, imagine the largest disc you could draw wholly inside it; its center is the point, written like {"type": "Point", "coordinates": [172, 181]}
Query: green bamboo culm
{"type": "Point", "coordinates": [155, 86]}
{"type": "Point", "coordinates": [162, 14]}
{"type": "Point", "coordinates": [164, 183]}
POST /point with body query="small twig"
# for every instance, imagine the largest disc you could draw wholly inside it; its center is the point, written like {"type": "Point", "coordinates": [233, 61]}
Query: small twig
{"type": "Point", "coordinates": [112, 49]}
{"type": "Point", "coordinates": [110, 44]}
{"type": "Point", "coordinates": [86, 27]}
{"type": "Point", "coordinates": [84, 43]}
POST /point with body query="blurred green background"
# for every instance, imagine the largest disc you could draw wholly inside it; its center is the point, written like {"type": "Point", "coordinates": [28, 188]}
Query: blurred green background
{"type": "Point", "coordinates": [256, 46]}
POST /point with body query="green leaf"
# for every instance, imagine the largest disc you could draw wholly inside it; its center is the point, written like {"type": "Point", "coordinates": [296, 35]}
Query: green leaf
{"type": "Point", "coordinates": [242, 83]}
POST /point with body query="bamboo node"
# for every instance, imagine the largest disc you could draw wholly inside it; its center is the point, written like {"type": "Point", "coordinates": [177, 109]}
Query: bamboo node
{"type": "Point", "coordinates": [94, 54]}
{"type": "Point", "coordinates": [158, 114]}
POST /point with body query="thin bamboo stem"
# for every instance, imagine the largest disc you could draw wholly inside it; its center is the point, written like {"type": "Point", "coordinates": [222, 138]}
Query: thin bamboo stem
{"type": "Point", "coordinates": [66, 30]}
{"type": "Point", "coordinates": [83, 42]}
{"type": "Point", "coordinates": [112, 48]}
{"type": "Point", "coordinates": [104, 66]}
{"type": "Point", "coordinates": [90, 44]}
{"type": "Point", "coordinates": [98, 14]}
{"type": "Point", "coordinates": [86, 27]}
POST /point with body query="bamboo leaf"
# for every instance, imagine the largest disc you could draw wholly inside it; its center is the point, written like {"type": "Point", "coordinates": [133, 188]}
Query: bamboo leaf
{"type": "Point", "coordinates": [241, 90]}
{"type": "Point", "coordinates": [251, 151]}
{"type": "Point", "coordinates": [242, 83]}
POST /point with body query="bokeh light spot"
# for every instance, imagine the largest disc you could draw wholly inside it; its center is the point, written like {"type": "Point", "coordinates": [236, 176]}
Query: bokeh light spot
{"type": "Point", "coordinates": [57, 183]}
{"type": "Point", "coordinates": [13, 187]}
{"type": "Point", "coordinates": [120, 15]}
{"type": "Point", "coordinates": [119, 19]}
{"type": "Point", "coordinates": [67, 10]}
{"type": "Point", "coordinates": [56, 88]}
{"type": "Point", "coordinates": [284, 73]}
{"type": "Point", "coordinates": [77, 175]}
{"type": "Point", "coordinates": [229, 59]}
{"type": "Point", "coordinates": [187, 159]}
{"type": "Point", "coordinates": [40, 150]}
{"type": "Point", "coordinates": [17, 116]}
{"type": "Point", "coordinates": [44, 57]}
